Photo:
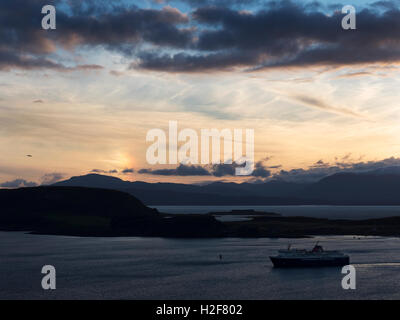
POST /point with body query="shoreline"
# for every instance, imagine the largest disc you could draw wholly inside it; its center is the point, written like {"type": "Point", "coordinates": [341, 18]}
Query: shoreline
{"type": "Point", "coordinates": [91, 212]}
{"type": "Point", "coordinates": [272, 226]}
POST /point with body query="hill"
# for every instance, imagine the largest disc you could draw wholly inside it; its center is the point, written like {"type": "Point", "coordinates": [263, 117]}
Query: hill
{"type": "Point", "coordinates": [93, 212]}
{"type": "Point", "coordinates": [369, 188]}
{"type": "Point", "coordinates": [357, 189]}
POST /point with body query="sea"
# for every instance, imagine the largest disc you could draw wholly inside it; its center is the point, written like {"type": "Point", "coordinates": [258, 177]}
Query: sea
{"type": "Point", "coordinates": [168, 269]}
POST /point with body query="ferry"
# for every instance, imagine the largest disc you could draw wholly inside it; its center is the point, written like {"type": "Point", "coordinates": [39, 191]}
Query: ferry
{"type": "Point", "coordinates": [317, 257]}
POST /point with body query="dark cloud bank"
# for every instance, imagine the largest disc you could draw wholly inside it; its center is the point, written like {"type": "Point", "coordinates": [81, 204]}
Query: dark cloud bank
{"type": "Point", "coordinates": [47, 179]}
{"type": "Point", "coordinates": [213, 35]}
{"type": "Point", "coordinates": [216, 170]}
{"type": "Point", "coordinates": [18, 183]}
{"type": "Point", "coordinates": [321, 169]}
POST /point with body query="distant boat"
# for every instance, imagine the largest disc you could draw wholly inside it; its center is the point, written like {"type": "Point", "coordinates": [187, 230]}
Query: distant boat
{"type": "Point", "coordinates": [317, 257]}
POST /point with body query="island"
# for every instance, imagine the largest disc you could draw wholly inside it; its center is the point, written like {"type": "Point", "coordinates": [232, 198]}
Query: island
{"type": "Point", "coordinates": [81, 211]}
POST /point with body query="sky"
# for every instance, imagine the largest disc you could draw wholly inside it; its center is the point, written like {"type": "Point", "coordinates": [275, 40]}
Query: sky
{"type": "Point", "coordinates": [80, 99]}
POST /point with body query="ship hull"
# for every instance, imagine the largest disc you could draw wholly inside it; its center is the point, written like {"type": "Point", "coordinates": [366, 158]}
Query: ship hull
{"type": "Point", "coordinates": [279, 262]}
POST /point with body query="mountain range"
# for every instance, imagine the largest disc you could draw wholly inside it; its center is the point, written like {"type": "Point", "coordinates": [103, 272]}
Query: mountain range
{"type": "Point", "coordinates": [378, 187]}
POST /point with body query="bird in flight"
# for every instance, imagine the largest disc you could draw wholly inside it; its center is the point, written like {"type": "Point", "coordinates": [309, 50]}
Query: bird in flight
{"type": "Point", "coordinates": [29, 155]}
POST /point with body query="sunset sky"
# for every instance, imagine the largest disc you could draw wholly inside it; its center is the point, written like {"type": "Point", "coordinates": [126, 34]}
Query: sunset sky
{"type": "Point", "coordinates": [81, 98]}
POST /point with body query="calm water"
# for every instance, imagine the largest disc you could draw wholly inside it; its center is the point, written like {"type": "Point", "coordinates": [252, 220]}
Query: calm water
{"type": "Point", "coordinates": [155, 268]}
{"type": "Point", "coordinates": [333, 212]}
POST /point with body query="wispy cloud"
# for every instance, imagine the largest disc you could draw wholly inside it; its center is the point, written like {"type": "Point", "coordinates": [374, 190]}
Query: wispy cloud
{"type": "Point", "coordinates": [50, 178]}
{"type": "Point", "coordinates": [321, 105]}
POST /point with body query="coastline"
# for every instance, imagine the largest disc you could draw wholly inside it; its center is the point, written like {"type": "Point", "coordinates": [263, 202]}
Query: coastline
{"type": "Point", "coordinates": [258, 226]}
{"type": "Point", "coordinates": [91, 212]}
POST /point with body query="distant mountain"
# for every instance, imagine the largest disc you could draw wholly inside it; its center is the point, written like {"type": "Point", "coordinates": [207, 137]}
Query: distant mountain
{"type": "Point", "coordinates": [217, 193]}
{"type": "Point", "coordinates": [94, 181]}
{"type": "Point", "coordinates": [372, 188]}
{"type": "Point", "coordinates": [395, 170]}
{"type": "Point", "coordinates": [378, 187]}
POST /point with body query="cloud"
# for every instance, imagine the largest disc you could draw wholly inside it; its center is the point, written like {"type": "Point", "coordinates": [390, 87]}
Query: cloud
{"type": "Point", "coordinates": [116, 26]}
{"type": "Point", "coordinates": [50, 178]}
{"type": "Point", "coordinates": [181, 170]}
{"type": "Point", "coordinates": [88, 67]}
{"type": "Point", "coordinates": [126, 171]}
{"type": "Point", "coordinates": [261, 171]}
{"type": "Point", "coordinates": [222, 170]}
{"type": "Point", "coordinates": [18, 183]}
{"type": "Point", "coordinates": [384, 5]}
{"type": "Point", "coordinates": [183, 62]}
{"type": "Point", "coordinates": [216, 170]}
{"type": "Point", "coordinates": [116, 73]}
{"type": "Point", "coordinates": [323, 169]}
{"type": "Point", "coordinates": [219, 3]}
{"type": "Point", "coordinates": [104, 171]}
{"type": "Point", "coordinates": [355, 74]}
{"type": "Point", "coordinates": [287, 34]}
{"type": "Point", "coordinates": [277, 166]}
{"type": "Point", "coordinates": [98, 171]}
{"type": "Point", "coordinates": [319, 104]}
{"type": "Point", "coordinates": [212, 36]}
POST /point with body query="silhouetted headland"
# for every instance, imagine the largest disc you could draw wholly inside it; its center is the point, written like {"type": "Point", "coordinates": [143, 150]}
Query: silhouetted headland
{"type": "Point", "coordinates": [81, 211]}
